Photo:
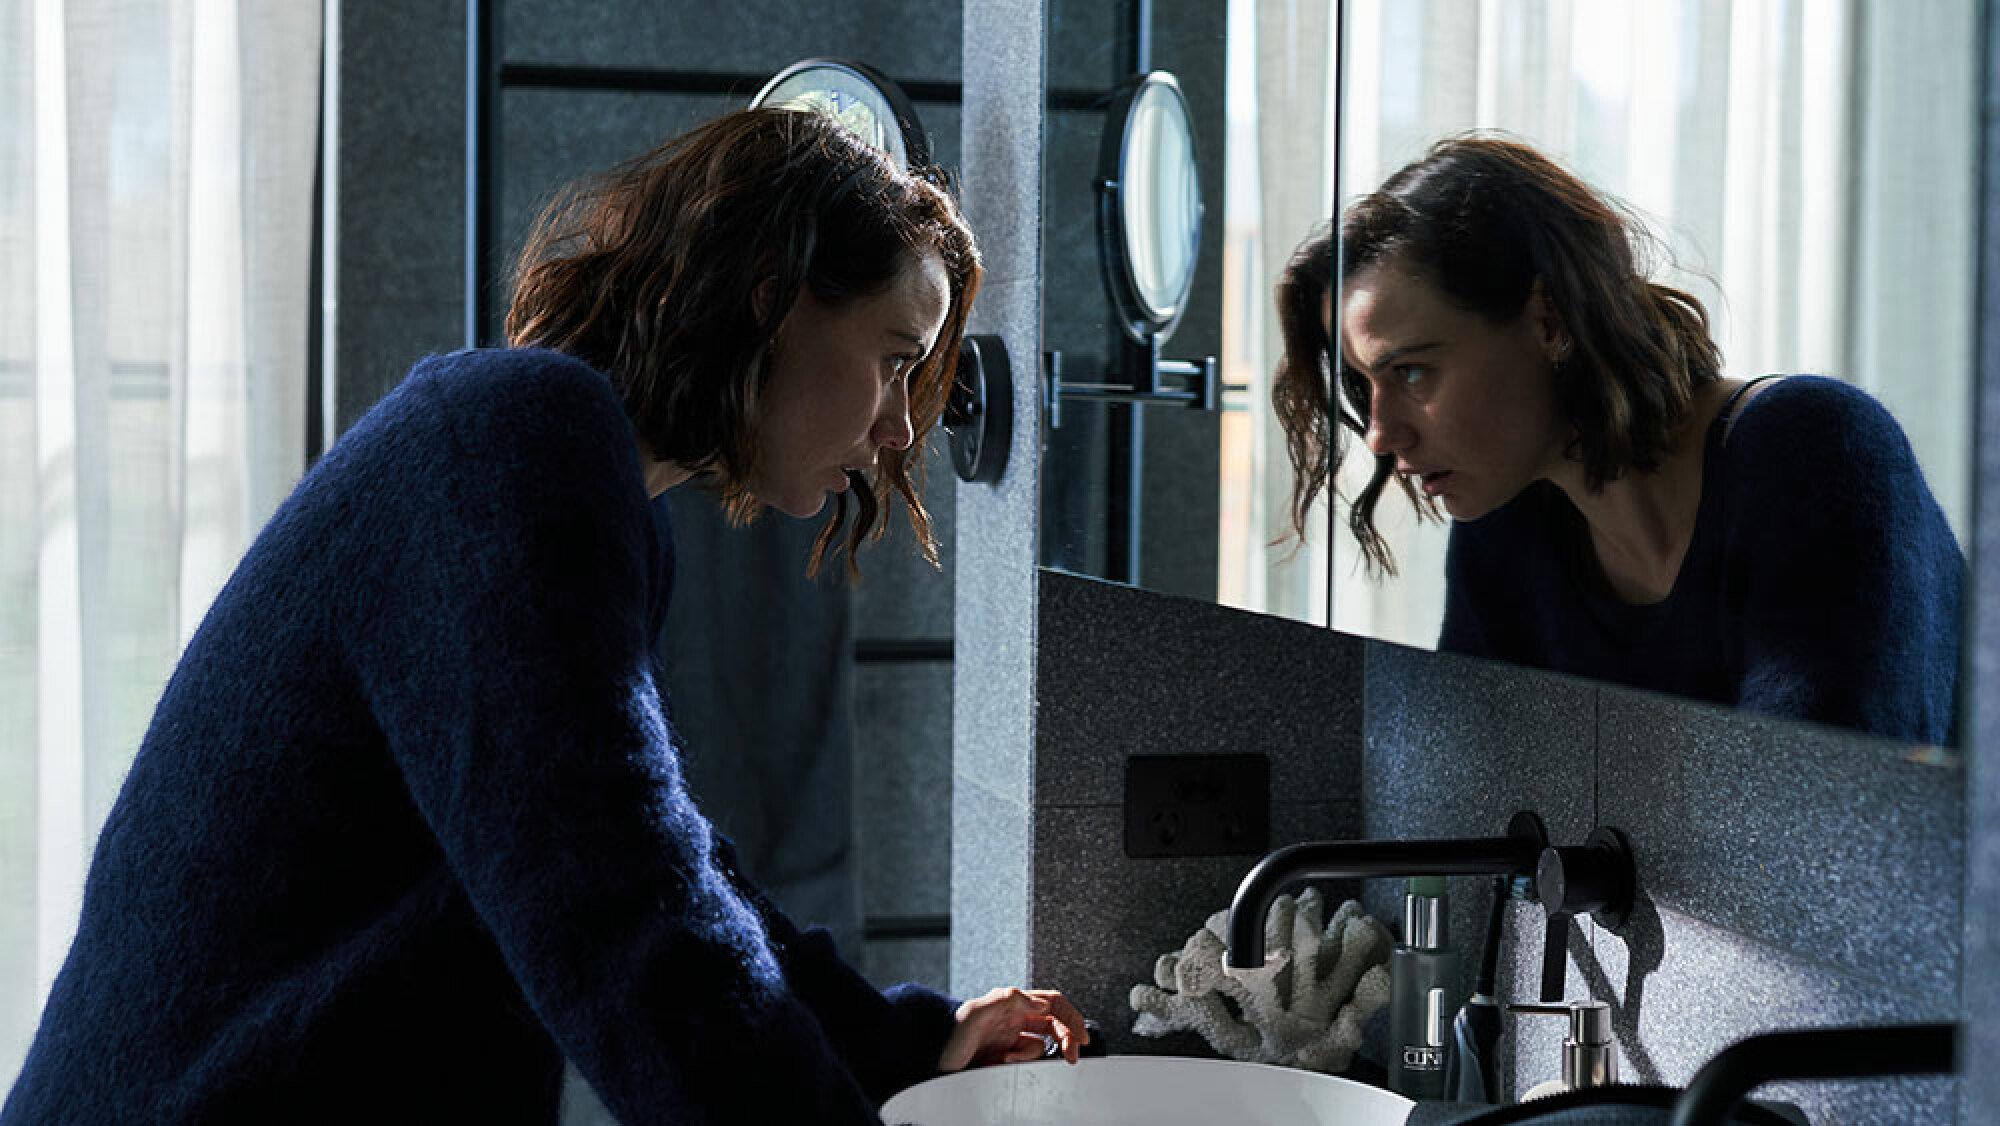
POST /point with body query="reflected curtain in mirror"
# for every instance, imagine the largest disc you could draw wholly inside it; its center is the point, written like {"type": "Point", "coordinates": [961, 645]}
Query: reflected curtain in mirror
{"type": "Point", "coordinates": [1279, 186]}
{"type": "Point", "coordinates": [1808, 167]}
{"type": "Point", "coordinates": [156, 187]}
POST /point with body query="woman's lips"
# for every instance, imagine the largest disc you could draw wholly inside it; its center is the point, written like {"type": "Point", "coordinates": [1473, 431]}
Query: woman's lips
{"type": "Point", "coordinates": [1434, 482]}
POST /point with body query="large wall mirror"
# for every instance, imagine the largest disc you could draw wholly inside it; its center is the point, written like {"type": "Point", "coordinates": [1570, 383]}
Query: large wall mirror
{"type": "Point", "coordinates": [1809, 171]}
{"type": "Point", "coordinates": [1806, 171]}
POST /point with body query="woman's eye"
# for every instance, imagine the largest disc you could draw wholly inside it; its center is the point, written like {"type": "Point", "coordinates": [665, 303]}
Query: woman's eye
{"type": "Point", "coordinates": [1411, 375]}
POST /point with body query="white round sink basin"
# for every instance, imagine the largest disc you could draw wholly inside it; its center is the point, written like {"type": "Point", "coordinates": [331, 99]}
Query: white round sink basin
{"type": "Point", "coordinates": [1148, 1090]}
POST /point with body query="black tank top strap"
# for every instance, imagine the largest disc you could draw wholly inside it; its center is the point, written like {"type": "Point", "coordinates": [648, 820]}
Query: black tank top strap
{"type": "Point", "coordinates": [1727, 419]}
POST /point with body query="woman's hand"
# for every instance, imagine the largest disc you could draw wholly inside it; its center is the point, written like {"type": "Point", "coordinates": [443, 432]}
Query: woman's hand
{"type": "Point", "coordinates": [1012, 1026]}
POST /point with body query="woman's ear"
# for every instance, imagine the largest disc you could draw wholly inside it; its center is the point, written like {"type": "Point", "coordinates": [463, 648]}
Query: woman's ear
{"type": "Point", "coordinates": [761, 297]}
{"type": "Point", "coordinates": [1549, 324]}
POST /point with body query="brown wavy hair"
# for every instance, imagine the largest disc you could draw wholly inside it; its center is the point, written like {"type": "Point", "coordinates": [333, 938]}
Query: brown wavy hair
{"type": "Point", "coordinates": [1486, 219]}
{"type": "Point", "coordinates": [672, 271]}
{"type": "Point", "coordinates": [1302, 388]}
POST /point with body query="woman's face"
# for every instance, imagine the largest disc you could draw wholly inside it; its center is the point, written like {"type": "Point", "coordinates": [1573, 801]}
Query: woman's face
{"type": "Point", "coordinates": [1462, 404]}
{"type": "Point", "coordinates": [837, 392]}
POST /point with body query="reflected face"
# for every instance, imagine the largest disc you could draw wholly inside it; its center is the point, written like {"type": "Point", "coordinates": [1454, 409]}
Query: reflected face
{"type": "Point", "coordinates": [1464, 406]}
{"type": "Point", "coordinates": [838, 392]}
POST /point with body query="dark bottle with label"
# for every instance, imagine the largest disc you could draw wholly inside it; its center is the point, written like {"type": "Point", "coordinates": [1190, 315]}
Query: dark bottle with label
{"type": "Point", "coordinates": [1423, 978]}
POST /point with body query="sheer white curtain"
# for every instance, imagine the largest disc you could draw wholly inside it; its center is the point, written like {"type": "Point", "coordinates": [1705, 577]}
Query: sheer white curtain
{"type": "Point", "coordinates": [156, 163]}
{"type": "Point", "coordinates": [1279, 185]}
{"type": "Point", "coordinates": [1808, 164]}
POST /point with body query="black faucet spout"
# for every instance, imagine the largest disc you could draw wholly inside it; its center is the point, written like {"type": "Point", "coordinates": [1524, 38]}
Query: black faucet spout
{"type": "Point", "coordinates": [1512, 855]}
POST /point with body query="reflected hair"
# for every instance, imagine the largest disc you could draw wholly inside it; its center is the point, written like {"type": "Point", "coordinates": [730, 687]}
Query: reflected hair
{"type": "Point", "coordinates": [1302, 388]}
{"type": "Point", "coordinates": [671, 273]}
{"type": "Point", "coordinates": [1488, 221]}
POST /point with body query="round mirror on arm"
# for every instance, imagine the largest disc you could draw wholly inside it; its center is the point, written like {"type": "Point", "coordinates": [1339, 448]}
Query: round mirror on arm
{"type": "Point", "coordinates": [859, 97]}
{"type": "Point", "coordinates": [1150, 208]}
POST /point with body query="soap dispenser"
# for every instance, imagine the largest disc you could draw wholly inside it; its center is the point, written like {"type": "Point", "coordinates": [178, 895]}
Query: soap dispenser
{"type": "Point", "coordinates": [1422, 977]}
{"type": "Point", "coordinates": [1589, 1057]}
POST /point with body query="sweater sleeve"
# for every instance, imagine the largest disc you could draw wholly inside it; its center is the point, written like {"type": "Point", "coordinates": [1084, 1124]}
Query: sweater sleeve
{"type": "Point", "coordinates": [504, 652]}
{"type": "Point", "coordinates": [888, 1040]}
{"type": "Point", "coordinates": [1848, 571]}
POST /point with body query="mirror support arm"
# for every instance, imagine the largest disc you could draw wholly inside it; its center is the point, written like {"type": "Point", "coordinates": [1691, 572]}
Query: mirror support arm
{"type": "Point", "coordinates": [1142, 377]}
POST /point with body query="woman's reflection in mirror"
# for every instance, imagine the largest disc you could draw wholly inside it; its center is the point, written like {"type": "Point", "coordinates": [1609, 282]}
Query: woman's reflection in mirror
{"type": "Point", "coordinates": [1619, 508]}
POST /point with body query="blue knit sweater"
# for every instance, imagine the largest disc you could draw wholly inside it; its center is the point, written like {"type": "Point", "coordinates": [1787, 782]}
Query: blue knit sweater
{"type": "Point", "coordinates": [1823, 582]}
{"type": "Point", "coordinates": [409, 824]}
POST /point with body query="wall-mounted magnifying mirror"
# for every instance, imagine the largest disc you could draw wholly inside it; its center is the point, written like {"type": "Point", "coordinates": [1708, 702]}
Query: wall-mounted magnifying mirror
{"type": "Point", "coordinates": [1149, 213]}
{"type": "Point", "coordinates": [1150, 210]}
{"type": "Point", "coordinates": [859, 97]}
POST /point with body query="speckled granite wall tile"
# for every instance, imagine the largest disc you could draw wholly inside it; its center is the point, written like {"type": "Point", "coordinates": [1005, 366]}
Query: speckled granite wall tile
{"type": "Point", "coordinates": [1683, 989]}
{"type": "Point", "coordinates": [993, 740]}
{"type": "Point", "coordinates": [1000, 147]}
{"type": "Point", "coordinates": [1980, 1048]}
{"type": "Point", "coordinates": [750, 36]}
{"type": "Point", "coordinates": [994, 614]}
{"type": "Point", "coordinates": [992, 843]}
{"type": "Point", "coordinates": [1101, 919]}
{"type": "Point", "coordinates": [1811, 840]}
{"type": "Point", "coordinates": [1127, 671]}
{"type": "Point", "coordinates": [1980, 1100]}
{"type": "Point", "coordinates": [1456, 745]}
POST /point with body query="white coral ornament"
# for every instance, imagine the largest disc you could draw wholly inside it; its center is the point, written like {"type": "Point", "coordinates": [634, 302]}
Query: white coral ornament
{"type": "Point", "coordinates": [1289, 1011]}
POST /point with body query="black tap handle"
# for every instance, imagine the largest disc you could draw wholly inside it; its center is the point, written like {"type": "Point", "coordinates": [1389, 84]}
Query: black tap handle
{"type": "Point", "coordinates": [1595, 877]}
{"type": "Point", "coordinates": [1555, 948]}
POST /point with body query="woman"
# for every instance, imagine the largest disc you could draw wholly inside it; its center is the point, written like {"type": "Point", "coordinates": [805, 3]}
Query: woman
{"type": "Point", "coordinates": [1620, 509]}
{"type": "Point", "coordinates": [409, 826]}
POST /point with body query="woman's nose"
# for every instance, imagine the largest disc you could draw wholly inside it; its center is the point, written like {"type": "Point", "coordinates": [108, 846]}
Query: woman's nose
{"type": "Point", "coordinates": [1386, 433]}
{"type": "Point", "coordinates": [892, 426]}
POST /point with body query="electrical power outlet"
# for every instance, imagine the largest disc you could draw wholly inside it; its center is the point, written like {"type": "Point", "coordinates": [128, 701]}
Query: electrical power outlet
{"type": "Point", "coordinates": [1197, 805]}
